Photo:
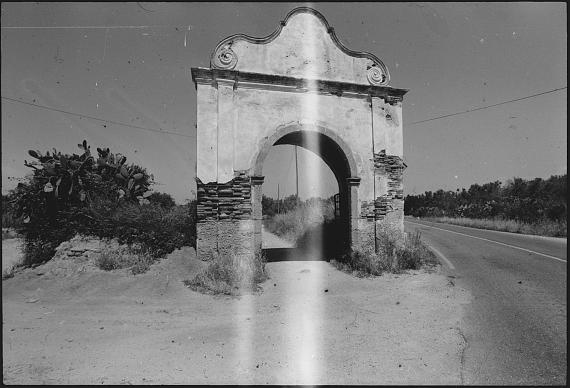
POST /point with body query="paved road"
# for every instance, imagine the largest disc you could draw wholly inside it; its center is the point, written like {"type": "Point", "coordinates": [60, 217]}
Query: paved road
{"type": "Point", "coordinates": [515, 325]}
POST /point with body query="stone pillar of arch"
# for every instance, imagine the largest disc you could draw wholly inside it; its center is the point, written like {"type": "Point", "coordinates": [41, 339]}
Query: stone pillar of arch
{"type": "Point", "coordinates": [299, 85]}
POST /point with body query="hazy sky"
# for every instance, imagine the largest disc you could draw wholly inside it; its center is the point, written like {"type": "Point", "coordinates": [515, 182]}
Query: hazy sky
{"type": "Point", "coordinates": [130, 63]}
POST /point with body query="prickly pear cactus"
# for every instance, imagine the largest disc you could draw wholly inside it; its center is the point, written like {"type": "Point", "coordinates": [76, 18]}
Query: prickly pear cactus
{"type": "Point", "coordinates": [79, 178]}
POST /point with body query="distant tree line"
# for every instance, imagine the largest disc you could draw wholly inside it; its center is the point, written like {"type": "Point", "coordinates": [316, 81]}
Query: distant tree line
{"type": "Point", "coordinates": [522, 200]}
{"type": "Point", "coordinates": [271, 207]}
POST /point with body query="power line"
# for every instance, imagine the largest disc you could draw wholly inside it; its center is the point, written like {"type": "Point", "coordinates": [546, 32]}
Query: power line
{"type": "Point", "coordinates": [488, 106]}
{"type": "Point", "coordinates": [288, 167]}
{"type": "Point", "coordinates": [83, 27]}
{"type": "Point", "coordinates": [96, 118]}
{"type": "Point", "coordinates": [296, 173]}
{"type": "Point", "coordinates": [180, 134]}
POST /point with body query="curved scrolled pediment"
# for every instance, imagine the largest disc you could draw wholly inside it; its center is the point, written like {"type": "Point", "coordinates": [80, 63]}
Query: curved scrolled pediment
{"type": "Point", "coordinates": [304, 45]}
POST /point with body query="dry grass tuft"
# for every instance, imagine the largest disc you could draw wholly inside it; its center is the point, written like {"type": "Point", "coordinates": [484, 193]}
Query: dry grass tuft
{"type": "Point", "coordinates": [9, 273]}
{"type": "Point", "coordinates": [134, 258]}
{"type": "Point", "coordinates": [231, 275]}
{"type": "Point", "coordinates": [394, 255]}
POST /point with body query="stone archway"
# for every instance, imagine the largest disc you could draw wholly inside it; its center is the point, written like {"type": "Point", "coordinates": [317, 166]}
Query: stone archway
{"type": "Point", "coordinates": [325, 143]}
{"type": "Point", "coordinates": [330, 99]}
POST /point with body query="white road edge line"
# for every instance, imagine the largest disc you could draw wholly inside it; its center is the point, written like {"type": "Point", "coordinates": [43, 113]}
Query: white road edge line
{"type": "Point", "coordinates": [496, 242]}
{"type": "Point", "coordinates": [442, 257]}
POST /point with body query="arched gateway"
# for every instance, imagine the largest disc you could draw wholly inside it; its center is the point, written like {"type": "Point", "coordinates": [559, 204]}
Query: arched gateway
{"type": "Point", "coordinates": [299, 86]}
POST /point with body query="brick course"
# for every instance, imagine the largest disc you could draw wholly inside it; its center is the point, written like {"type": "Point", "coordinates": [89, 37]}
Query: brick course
{"type": "Point", "coordinates": [393, 167]}
{"type": "Point", "coordinates": [224, 201]}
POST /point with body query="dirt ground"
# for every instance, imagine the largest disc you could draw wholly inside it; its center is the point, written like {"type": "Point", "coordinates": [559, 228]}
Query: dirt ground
{"type": "Point", "coordinates": [67, 322]}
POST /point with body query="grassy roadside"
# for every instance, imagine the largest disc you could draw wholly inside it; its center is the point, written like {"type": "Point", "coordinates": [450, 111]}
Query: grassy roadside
{"type": "Point", "coordinates": [543, 228]}
{"type": "Point", "coordinates": [394, 255]}
{"type": "Point", "coordinates": [231, 275]}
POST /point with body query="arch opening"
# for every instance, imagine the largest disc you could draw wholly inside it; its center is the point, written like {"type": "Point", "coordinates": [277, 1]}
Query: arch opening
{"type": "Point", "coordinates": [333, 238]}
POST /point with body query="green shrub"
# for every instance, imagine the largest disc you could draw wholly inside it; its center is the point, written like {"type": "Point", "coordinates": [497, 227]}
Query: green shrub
{"type": "Point", "coordinates": [160, 230]}
{"type": "Point", "coordinates": [9, 218]}
{"type": "Point", "coordinates": [231, 275]}
{"type": "Point", "coordinates": [163, 199]}
{"type": "Point", "coordinates": [9, 233]}
{"type": "Point", "coordinates": [8, 273]}
{"type": "Point", "coordinates": [38, 251]}
{"type": "Point", "coordinates": [76, 194]}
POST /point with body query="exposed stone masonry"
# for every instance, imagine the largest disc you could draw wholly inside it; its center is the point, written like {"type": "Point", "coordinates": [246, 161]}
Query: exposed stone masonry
{"type": "Point", "coordinates": [224, 201]}
{"type": "Point", "coordinates": [367, 209]}
{"type": "Point", "coordinates": [379, 208]}
{"type": "Point", "coordinates": [382, 206]}
{"type": "Point", "coordinates": [393, 166]}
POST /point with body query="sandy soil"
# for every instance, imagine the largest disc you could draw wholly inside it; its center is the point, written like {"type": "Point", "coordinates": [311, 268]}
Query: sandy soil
{"type": "Point", "coordinates": [67, 322]}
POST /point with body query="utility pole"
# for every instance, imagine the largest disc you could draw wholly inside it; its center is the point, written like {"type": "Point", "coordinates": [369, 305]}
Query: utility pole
{"type": "Point", "coordinates": [296, 173]}
{"type": "Point", "coordinates": [277, 198]}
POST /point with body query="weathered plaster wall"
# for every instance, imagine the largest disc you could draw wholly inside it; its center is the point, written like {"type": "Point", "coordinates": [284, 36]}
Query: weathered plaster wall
{"type": "Point", "coordinates": [240, 120]}
{"type": "Point", "coordinates": [388, 126]}
{"type": "Point", "coordinates": [256, 114]}
{"type": "Point", "coordinates": [207, 133]}
{"type": "Point", "coordinates": [348, 118]}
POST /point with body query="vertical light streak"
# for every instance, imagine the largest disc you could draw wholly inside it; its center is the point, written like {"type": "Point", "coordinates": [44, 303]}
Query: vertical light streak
{"type": "Point", "coordinates": [302, 315]}
{"type": "Point", "coordinates": [305, 315]}
{"type": "Point", "coordinates": [305, 323]}
{"type": "Point", "coordinates": [244, 322]}
{"type": "Point", "coordinates": [244, 308]}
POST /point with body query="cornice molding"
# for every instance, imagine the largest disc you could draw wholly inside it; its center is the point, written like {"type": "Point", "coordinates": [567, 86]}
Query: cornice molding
{"type": "Point", "coordinates": [202, 75]}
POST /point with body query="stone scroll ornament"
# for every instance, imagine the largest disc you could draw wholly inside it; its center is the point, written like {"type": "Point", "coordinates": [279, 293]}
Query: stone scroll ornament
{"type": "Point", "coordinates": [225, 58]}
{"type": "Point", "coordinates": [376, 76]}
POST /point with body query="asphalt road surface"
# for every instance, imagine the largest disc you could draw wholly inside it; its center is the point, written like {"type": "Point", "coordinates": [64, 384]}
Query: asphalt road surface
{"type": "Point", "coordinates": [516, 324]}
